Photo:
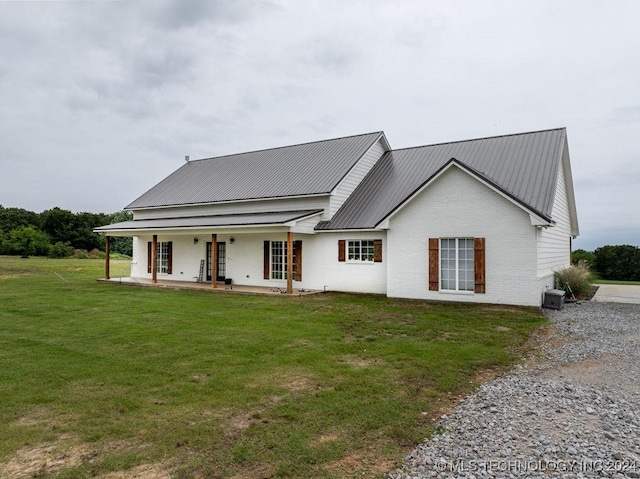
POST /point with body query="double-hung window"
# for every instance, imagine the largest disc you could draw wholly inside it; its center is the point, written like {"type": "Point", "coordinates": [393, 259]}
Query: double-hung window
{"type": "Point", "coordinates": [456, 264]}
{"type": "Point", "coordinates": [360, 250]}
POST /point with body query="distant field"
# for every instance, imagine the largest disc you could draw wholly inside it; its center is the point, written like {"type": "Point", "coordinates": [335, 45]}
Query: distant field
{"type": "Point", "coordinates": [101, 380]}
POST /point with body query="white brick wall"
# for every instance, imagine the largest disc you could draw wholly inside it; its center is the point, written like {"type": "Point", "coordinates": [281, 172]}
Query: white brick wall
{"type": "Point", "coordinates": [320, 266]}
{"type": "Point", "coordinates": [457, 205]}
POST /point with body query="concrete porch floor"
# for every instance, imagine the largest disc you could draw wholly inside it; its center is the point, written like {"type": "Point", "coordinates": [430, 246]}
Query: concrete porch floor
{"type": "Point", "coordinates": [206, 286]}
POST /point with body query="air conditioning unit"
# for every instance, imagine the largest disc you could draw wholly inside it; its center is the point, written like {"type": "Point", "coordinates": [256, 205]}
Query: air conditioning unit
{"type": "Point", "coordinates": [553, 299]}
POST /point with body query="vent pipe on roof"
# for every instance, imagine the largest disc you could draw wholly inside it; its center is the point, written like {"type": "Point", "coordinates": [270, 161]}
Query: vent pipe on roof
{"type": "Point", "coordinates": [186, 158]}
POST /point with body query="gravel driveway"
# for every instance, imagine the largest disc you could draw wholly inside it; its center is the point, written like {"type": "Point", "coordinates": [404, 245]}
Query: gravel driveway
{"type": "Point", "coordinates": [571, 411]}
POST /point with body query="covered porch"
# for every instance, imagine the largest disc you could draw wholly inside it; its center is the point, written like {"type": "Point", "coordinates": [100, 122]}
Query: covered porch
{"type": "Point", "coordinates": [200, 286]}
{"type": "Point", "coordinates": [256, 252]}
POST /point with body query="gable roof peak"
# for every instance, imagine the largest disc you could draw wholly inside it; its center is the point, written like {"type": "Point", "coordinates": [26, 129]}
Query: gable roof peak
{"type": "Point", "coordinates": [273, 148]}
{"type": "Point", "coordinates": [455, 142]}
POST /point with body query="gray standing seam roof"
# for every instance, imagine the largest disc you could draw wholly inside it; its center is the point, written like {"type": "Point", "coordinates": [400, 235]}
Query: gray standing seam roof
{"type": "Point", "coordinates": [298, 170]}
{"type": "Point", "coordinates": [524, 166]}
{"type": "Point", "coordinates": [243, 219]}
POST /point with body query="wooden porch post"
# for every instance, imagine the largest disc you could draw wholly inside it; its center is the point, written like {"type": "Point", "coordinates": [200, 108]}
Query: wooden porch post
{"type": "Point", "coordinates": [214, 260]}
{"type": "Point", "coordinates": [154, 259]}
{"type": "Point", "coordinates": [107, 250]}
{"type": "Point", "coordinates": [289, 262]}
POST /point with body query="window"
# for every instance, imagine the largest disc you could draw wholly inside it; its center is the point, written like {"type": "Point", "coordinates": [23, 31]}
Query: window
{"type": "Point", "coordinates": [278, 260]}
{"type": "Point", "coordinates": [164, 259]}
{"type": "Point", "coordinates": [456, 264]}
{"type": "Point", "coordinates": [360, 250]}
{"type": "Point", "coordinates": [275, 260]}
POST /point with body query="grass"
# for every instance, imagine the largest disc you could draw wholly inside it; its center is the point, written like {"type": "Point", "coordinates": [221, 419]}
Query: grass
{"type": "Point", "coordinates": [596, 280]}
{"type": "Point", "coordinates": [100, 378]}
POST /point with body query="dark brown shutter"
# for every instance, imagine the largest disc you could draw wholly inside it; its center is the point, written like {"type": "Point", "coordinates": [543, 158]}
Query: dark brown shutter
{"type": "Point", "coordinates": [169, 257]}
{"type": "Point", "coordinates": [265, 267]}
{"type": "Point", "coordinates": [377, 251]}
{"type": "Point", "coordinates": [149, 248]}
{"type": "Point", "coordinates": [434, 267]}
{"type": "Point", "coordinates": [479, 265]}
{"type": "Point", "coordinates": [297, 260]}
{"type": "Point", "coordinates": [341, 250]}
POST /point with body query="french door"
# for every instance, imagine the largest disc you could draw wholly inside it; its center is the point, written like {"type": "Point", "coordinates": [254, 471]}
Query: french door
{"type": "Point", "coordinates": [221, 261]}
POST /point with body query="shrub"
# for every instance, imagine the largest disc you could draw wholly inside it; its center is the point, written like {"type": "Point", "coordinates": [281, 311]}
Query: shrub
{"type": "Point", "coordinates": [621, 262]}
{"type": "Point", "coordinates": [574, 279]}
{"type": "Point", "coordinates": [26, 241]}
{"type": "Point", "coordinates": [61, 250]}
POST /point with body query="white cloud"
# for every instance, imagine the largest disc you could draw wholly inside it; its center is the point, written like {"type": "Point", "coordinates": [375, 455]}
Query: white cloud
{"type": "Point", "coordinates": [100, 100]}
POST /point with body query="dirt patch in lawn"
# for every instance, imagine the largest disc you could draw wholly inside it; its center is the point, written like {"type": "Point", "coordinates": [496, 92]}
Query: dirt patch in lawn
{"type": "Point", "coordinates": [362, 463]}
{"type": "Point", "coordinates": [144, 471]}
{"type": "Point", "coordinates": [66, 451]}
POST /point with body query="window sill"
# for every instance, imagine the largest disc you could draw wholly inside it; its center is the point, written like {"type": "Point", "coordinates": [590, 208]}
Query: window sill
{"type": "Point", "coordinates": [451, 291]}
{"type": "Point", "coordinates": [359, 262]}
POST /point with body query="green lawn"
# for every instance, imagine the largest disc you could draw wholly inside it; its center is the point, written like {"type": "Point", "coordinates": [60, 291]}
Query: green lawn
{"type": "Point", "coordinates": [99, 378]}
{"type": "Point", "coordinates": [611, 281]}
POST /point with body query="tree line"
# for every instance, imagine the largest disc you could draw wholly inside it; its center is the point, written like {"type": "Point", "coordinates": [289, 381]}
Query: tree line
{"type": "Point", "coordinates": [58, 233]}
{"type": "Point", "coordinates": [620, 262]}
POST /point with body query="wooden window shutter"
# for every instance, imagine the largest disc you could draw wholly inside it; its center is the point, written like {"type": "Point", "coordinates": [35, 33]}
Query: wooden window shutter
{"type": "Point", "coordinates": [170, 257]}
{"type": "Point", "coordinates": [341, 250]}
{"type": "Point", "coordinates": [265, 267]}
{"type": "Point", "coordinates": [149, 248]}
{"type": "Point", "coordinates": [297, 260]}
{"type": "Point", "coordinates": [434, 267]}
{"type": "Point", "coordinates": [479, 265]}
{"type": "Point", "coordinates": [377, 251]}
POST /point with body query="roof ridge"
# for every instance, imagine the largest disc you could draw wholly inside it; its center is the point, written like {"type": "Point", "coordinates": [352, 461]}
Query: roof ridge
{"type": "Point", "coordinates": [479, 139]}
{"type": "Point", "coordinates": [381, 132]}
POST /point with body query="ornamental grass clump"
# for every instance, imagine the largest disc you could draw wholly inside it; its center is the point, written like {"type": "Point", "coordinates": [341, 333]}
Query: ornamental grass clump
{"type": "Point", "coordinates": [574, 279]}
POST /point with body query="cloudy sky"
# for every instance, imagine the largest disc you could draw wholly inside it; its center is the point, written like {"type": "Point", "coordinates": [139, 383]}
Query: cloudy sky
{"type": "Point", "coordinates": [99, 100]}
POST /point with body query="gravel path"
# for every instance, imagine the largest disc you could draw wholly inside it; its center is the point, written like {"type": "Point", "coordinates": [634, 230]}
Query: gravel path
{"type": "Point", "coordinates": [572, 412]}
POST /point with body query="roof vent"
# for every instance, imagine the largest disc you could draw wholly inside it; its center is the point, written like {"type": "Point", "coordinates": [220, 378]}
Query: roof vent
{"type": "Point", "coordinates": [186, 158]}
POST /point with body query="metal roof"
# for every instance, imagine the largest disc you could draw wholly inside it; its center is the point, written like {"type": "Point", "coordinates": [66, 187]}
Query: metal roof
{"type": "Point", "coordinates": [250, 219]}
{"type": "Point", "coordinates": [298, 170]}
{"type": "Point", "coordinates": [524, 166]}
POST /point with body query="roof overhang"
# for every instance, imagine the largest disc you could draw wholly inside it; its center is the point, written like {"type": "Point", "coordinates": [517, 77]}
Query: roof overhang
{"type": "Point", "coordinates": [226, 202]}
{"type": "Point", "coordinates": [537, 218]}
{"type": "Point", "coordinates": [199, 224]}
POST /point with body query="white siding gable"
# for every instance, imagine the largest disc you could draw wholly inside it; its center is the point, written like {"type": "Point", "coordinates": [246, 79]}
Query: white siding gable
{"type": "Point", "coordinates": [356, 175]}
{"type": "Point", "coordinates": [554, 245]}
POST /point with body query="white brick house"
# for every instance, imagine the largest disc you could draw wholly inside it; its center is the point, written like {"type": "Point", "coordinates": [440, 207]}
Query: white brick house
{"type": "Point", "coordinates": [486, 220]}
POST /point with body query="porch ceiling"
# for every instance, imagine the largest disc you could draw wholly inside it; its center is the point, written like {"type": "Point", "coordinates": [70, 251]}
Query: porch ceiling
{"type": "Point", "coordinates": [194, 223]}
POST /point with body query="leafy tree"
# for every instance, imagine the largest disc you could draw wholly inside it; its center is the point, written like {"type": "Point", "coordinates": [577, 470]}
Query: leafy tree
{"type": "Point", "coordinates": [58, 224]}
{"type": "Point", "coordinates": [76, 229]}
{"type": "Point", "coordinates": [26, 241]}
{"type": "Point", "coordinates": [121, 244]}
{"type": "Point", "coordinates": [581, 255]}
{"type": "Point", "coordinates": [12, 218]}
{"type": "Point", "coordinates": [621, 262]}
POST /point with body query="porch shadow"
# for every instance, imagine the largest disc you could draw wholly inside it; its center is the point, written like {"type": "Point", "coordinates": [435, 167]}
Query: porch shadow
{"type": "Point", "coordinates": [206, 286]}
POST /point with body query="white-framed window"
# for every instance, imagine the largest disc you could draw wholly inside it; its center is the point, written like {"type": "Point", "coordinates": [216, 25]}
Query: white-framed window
{"type": "Point", "coordinates": [279, 260]}
{"type": "Point", "coordinates": [163, 257]}
{"type": "Point", "coordinates": [360, 251]}
{"type": "Point", "coordinates": [456, 264]}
